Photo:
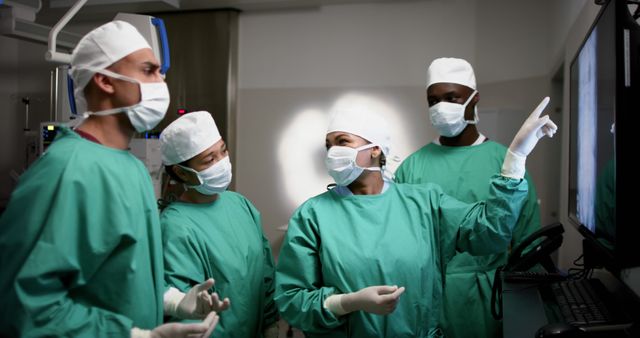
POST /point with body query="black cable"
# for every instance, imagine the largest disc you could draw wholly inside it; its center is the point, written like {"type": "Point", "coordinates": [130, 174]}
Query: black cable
{"type": "Point", "coordinates": [575, 262]}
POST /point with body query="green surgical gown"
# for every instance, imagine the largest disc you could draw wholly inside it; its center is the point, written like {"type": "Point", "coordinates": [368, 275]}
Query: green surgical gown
{"type": "Point", "coordinates": [80, 245]}
{"type": "Point", "coordinates": [223, 240]}
{"type": "Point", "coordinates": [463, 172]}
{"type": "Point", "coordinates": [404, 237]}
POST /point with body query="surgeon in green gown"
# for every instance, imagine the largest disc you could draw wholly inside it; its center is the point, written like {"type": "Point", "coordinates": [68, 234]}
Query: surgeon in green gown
{"type": "Point", "coordinates": [367, 258]}
{"type": "Point", "coordinates": [80, 245]}
{"type": "Point", "coordinates": [210, 232]}
{"type": "Point", "coordinates": [461, 161]}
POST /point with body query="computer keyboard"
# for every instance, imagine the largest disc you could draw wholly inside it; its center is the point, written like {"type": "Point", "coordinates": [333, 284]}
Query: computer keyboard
{"type": "Point", "coordinates": [581, 303]}
{"type": "Point", "coordinates": [532, 277]}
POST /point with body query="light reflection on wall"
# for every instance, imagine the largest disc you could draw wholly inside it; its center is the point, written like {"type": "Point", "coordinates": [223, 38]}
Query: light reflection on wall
{"type": "Point", "coordinates": [301, 148]}
{"type": "Point", "coordinates": [301, 153]}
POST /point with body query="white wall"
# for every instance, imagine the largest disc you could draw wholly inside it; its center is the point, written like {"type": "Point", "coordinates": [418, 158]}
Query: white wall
{"type": "Point", "coordinates": [562, 17]}
{"type": "Point", "coordinates": [385, 44]}
{"type": "Point", "coordinates": [294, 64]}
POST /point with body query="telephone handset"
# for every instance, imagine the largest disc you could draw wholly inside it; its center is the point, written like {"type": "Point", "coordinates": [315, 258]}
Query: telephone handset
{"type": "Point", "coordinates": [536, 248]}
{"type": "Point", "coordinates": [550, 239]}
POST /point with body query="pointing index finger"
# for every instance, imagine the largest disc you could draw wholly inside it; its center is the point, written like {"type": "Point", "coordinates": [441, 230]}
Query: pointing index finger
{"type": "Point", "coordinates": [543, 104]}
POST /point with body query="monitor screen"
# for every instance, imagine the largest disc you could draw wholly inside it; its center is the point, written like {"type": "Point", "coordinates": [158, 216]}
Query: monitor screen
{"type": "Point", "coordinates": [592, 189]}
{"type": "Point", "coordinates": [604, 106]}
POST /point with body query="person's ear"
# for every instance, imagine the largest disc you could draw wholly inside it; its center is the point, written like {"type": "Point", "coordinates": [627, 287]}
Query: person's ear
{"type": "Point", "coordinates": [103, 83]}
{"type": "Point", "coordinates": [376, 152]}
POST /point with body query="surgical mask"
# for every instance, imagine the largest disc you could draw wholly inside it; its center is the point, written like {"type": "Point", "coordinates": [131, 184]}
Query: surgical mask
{"type": "Point", "coordinates": [342, 166]}
{"type": "Point", "coordinates": [215, 179]}
{"type": "Point", "coordinates": [448, 117]}
{"type": "Point", "coordinates": [153, 105]}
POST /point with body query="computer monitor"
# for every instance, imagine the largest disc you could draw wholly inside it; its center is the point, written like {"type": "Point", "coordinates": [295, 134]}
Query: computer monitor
{"type": "Point", "coordinates": [604, 111]}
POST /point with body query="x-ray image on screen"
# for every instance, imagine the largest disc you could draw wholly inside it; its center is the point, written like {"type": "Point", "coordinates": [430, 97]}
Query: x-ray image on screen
{"type": "Point", "coordinates": [588, 132]}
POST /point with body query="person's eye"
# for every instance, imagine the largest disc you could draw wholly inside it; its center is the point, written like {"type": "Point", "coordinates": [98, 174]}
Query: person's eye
{"type": "Point", "coordinates": [150, 71]}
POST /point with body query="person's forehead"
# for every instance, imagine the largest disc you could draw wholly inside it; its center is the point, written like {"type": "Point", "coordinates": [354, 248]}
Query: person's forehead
{"type": "Point", "coordinates": [214, 148]}
{"type": "Point", "coordinates": [336, 134]}
{"type": "Point", "coordinates": [144, 55]}
{"type": "Point", "coordinates": [443, 88]}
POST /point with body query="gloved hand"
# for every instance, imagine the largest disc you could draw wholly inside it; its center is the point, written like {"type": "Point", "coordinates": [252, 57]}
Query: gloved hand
{"type": "Point", "coordinates": [379, 299]}
{"type": "Point", "coordinates": [195, 304]}
{"type": "Point", "coordinates": [179, 330]}
{"type": "Point", "coordinates": [271, 331]}
{"type": "Point", "coordinates": [533, 129]}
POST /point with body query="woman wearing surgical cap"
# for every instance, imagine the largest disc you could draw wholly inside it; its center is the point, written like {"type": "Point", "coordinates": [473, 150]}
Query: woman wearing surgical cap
{"type": "Point", "coordinates": [210, 232]}
{"type": "Point", "coordinates": [367, 258]}
{"type": "Point", "coordinates": [461, 160]}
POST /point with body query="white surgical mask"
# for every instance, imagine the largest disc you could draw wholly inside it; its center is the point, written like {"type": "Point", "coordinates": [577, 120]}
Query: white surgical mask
{"type": "Point", "coordinates": [215, 179]}
{"type": "Point", "coordinates": [153, 105]}
{"type": "Point", "coordinates": [448, 117]}
{"type": "Point", "coordinates": [342, 166]}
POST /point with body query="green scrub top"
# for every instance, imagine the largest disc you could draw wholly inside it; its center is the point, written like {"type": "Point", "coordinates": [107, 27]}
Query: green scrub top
{"type": "Point", "coordinates": [463, 172]}
{"type": "Point", "coordinates": [223, 240]}
{"type": "Point", "coordinates": [80, 245]}
{"type": "Point", "coordinates": [404, 237]}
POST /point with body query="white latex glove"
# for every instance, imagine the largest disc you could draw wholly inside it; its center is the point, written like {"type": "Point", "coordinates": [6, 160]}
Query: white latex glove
{"type": "Point", "coordinates": [272, 331]}
{"type": "Point", "coordinates": [532, 130]}
{"type": "Point", "coordinates": [380, 299]}
{"type": "Point", "coordinates": [195, 304]}
{"type": "Point", "coordinates": [180, 330]}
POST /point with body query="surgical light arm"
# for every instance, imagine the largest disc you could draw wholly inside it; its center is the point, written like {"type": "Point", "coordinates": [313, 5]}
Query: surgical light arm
{"type": "Point", "coordinates": [51, 54]}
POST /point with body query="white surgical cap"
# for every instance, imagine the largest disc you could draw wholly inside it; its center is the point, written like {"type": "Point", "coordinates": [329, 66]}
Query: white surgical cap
{"type": "Point", "coordinates": [451, 70]}
{"type": "Point", "coordinates": [99, 49]}
{"type": "Point", "coordinates": [361, 116]}
{"type": "Point", "coordinates": [188, 136]}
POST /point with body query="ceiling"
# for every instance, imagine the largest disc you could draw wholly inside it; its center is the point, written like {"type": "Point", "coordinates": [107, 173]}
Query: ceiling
{"type": "Point", "coordinates": [52, 10]}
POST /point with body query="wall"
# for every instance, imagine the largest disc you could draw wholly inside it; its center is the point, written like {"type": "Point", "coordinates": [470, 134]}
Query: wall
{"type": "Point", "coordinates": [561, 18]}
{"type": "Point", "coordinates": [295, 64]}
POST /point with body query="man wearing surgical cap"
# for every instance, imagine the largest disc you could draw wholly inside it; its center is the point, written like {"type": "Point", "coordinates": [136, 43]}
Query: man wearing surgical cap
{"type": "Point", "coordinates": [210, 232]}
{"type": "Point", "coordinates": [461, 160]}
{"type": "Point", "coordinates": [367, 258]}
{"type": "Point", "coordinates": [80, 244]}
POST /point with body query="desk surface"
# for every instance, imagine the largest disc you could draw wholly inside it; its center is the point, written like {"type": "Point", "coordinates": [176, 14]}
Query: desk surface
{"type": "Point", "coordinates": [523, 310]}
